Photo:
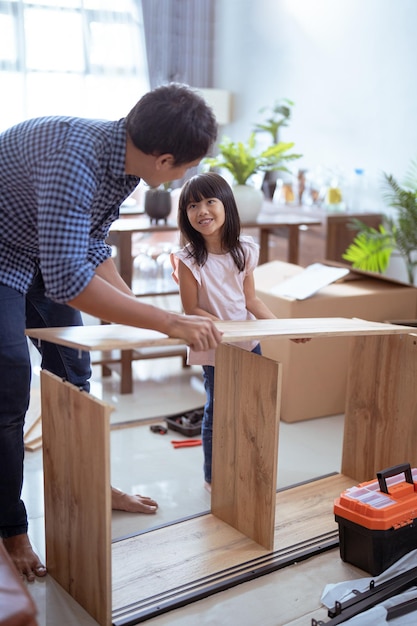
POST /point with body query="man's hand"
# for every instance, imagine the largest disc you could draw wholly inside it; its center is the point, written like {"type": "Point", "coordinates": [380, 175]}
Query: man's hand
{"type": "Point", "coordinates": [199, 333]}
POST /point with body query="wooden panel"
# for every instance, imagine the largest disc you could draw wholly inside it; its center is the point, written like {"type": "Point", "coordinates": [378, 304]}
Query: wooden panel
{"type": "Point", "coordinates": [381, 407]}
{"type": "Point", "coordinates": [245, 442]}
{"type": "Point", "coordinates": [305, 327]}
{"type": "Point", "coordinates": [170, 564]}
{"type": "Point", "coordinates": [119, 337]}
{"type": "Point", "coordinates": [102, 337]}
{"type": "Point", "coordinates": [76, 434]}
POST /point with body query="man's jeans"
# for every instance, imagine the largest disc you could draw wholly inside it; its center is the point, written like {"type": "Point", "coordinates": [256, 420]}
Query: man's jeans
{"type": "Point", "coordinates": [17, 313]}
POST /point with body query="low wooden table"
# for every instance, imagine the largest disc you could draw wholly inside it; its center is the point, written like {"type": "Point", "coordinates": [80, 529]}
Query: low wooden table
{"type": "Point", "coordinates": [242, 528]}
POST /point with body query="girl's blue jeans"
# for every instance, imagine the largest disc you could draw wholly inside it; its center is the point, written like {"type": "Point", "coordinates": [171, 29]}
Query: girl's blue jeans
{"type": "Point", "coordinates": [207, 424]}
{"type": "Point", "coordinates": [18, 312]}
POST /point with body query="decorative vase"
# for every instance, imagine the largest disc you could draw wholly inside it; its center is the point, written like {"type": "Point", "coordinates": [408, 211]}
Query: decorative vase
{"type": "Point", "coordinates": [158, 204]}
{"type": "Point", "coordinates": [249, 202]}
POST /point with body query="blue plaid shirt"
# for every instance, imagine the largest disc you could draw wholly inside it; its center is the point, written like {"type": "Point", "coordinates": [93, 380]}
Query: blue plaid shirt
{"type": "Point", "coordinates": [62, 180]}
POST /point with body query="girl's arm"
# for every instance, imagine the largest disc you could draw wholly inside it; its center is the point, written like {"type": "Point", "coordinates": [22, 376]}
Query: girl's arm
{"type": "Point", "coordinates": [188, 292]}
{"type": "Point", "coordinates": [257, 307]}
{"type": "Point", "coordinates": [254, 304]}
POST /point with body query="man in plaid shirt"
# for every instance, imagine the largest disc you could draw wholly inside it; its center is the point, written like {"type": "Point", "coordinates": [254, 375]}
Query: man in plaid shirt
{"type": "Point", "coordinates": [62, 181]}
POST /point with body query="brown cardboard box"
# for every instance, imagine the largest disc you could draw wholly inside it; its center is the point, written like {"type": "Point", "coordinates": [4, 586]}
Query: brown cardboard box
{"type": "Point", "coordinates": [315, 373]}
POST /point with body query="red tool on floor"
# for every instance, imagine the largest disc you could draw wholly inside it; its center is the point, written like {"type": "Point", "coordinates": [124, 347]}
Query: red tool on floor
{"type": "Point", "coordinates": [185, 443]}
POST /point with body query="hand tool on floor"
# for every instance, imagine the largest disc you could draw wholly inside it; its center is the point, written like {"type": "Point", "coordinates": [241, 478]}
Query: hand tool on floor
{"type": "Point", "coordinates": [158, 428]}
{"type": "Point", "coordinates": [186, 443]}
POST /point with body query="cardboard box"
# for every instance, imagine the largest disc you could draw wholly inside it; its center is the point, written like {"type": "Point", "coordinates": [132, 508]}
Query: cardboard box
{"type": "Point", "coordinates": [315, 373]}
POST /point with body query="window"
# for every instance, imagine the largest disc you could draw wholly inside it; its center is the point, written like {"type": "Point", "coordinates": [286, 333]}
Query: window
{"type": "Point", "coordinates": [70, 57]}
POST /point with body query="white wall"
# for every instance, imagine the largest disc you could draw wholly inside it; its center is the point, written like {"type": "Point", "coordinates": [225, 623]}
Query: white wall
{"type": "Point", "coordinates": [349, 66]}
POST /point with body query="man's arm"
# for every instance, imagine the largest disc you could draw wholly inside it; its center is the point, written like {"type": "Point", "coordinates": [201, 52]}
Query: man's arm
{"type": "Point", "coordinates": [108, 299]}
{"type": "Point", "coordinates": [109, 273]}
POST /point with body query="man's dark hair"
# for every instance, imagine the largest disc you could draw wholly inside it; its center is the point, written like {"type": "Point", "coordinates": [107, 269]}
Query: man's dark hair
{"type": "Point", "coordinates": [172, 119]}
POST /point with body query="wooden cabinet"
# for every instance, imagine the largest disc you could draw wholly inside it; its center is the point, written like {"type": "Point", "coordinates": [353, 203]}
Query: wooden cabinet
{"type": "Point", "coordinates": [327, 241]}
{"type": "Point", "coordinates": [340, 233]}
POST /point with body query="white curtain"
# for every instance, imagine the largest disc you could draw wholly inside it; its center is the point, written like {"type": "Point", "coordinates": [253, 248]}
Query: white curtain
{"type": "Point", "coordinates": [70, 57]}
{"type": "Point", "coordinates": [179, 37]}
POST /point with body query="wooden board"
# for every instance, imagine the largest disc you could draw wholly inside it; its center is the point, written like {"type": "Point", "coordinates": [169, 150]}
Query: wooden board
{"type": "Point", "coordinates": [160, 569]}
{"type": "Point", "coordinates": [306, 327]}
{"type": "Point", "coordinates": [119, 337]}
{"type": "Point", "coordinates": [76, 455]}
{"type": "Point", "coordinates": [245, 427]}
{"type": "Point", "coordinates": [381, 406]}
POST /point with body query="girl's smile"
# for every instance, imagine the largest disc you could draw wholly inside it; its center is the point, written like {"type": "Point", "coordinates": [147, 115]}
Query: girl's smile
{"type": "Point", "coordinates": [206, 216]}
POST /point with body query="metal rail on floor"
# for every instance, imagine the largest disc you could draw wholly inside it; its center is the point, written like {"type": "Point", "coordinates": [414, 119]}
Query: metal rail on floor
{"type": "Point", "coordinates": [204, 587]}
{"type": "Point", "coordinates": [365, 600]}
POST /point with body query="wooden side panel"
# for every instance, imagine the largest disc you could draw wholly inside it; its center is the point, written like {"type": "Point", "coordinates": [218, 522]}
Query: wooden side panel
{"type": "Point", "coordinates": [245, 442]}
{"type": "Point", "coordinates": [381, 405]}
{"type": "Point", "coordinates": [76, 452]}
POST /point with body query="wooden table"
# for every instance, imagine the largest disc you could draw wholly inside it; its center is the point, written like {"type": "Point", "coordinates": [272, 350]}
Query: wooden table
{"type": "Point", "coordinates": [270, 219]}
{"type": "Point", "coordinates": [241, 530]}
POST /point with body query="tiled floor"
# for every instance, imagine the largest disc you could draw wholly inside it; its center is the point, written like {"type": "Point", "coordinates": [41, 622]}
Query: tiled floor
{"type": "Point", "coordinates": [146, 463]}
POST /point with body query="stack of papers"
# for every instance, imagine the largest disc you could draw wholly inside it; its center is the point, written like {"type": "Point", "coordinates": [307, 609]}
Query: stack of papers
{"type": "Point", "coordinates": [309, 281]}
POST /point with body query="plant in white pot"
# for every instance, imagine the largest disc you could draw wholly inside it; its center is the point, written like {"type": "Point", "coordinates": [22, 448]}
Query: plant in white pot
{"type": "Point", "coordinates": [243, 160]}
{"type": "Point", "coordinates": [277, 116]}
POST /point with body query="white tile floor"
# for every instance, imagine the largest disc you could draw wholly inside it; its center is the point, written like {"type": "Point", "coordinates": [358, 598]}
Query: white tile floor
{"type": "Point", "coordinates": [144, 462]}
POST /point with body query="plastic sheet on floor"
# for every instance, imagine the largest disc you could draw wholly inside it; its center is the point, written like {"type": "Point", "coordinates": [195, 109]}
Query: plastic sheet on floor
{"type": "Point", "coordinates": [343, 591]}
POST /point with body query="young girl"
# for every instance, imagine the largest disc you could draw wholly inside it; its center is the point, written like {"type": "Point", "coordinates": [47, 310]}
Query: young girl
{"type": "Point", "coordinates": [215, 274]}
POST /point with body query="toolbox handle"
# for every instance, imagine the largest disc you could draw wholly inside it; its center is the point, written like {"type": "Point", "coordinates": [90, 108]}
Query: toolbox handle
{"type": "Point", "coordinates": [393, 471]}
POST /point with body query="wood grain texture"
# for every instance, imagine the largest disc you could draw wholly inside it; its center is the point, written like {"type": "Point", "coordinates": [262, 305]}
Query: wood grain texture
{"type": "Point", "coordinates": [119, 337]}
{"type": "Point", "coordinates": [76, 435]}
{"type": "Point", "coordinates": [381, 406]}
{"type": "Point", "coordinates": [245, 442]}
{"type": "Point", "coordinates": [192, 555]}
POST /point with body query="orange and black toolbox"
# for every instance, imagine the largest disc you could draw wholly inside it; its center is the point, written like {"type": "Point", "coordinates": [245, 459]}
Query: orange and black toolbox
{"type": "Point", "coordinates": [378, 519]}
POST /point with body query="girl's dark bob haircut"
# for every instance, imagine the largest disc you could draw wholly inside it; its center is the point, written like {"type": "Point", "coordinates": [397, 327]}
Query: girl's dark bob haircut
{"type": "Point", "coordinates": [211, 185]}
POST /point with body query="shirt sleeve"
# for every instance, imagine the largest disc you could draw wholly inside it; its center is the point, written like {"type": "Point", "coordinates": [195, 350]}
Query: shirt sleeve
{"type": "Point", "coordinates": [251, 250]}
{"type": "Point", "coordinates": [189, 261]}
{"type": "Point", "coordinates": [66, 183]}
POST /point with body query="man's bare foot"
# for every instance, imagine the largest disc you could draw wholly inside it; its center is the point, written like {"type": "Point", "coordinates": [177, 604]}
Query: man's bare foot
{"type": "Point", "coordinates": [24, 558]}
{"type": "Point", "coordinates": [121, 501]}
{"type": "Point", "coordinates": [207, 486]}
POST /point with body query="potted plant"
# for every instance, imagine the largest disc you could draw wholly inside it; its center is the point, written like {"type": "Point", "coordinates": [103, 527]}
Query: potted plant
{"type": "Point", "coordinates": [372, 248]}
{"type": "Point", "coordinates": [243, 160]}
{"type": "Point", "coordinates": [277, 116]}
{"type": "Point", "coordinates": [158, 202]}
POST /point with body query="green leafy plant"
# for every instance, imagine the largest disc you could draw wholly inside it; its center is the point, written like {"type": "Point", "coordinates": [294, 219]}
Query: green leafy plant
{"type": "Point", "coordinates": [372, 248]}
{"type": "Point", "coordinates": [278, 115]}
{"type": "Point", "coordinates": [242, 160]}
